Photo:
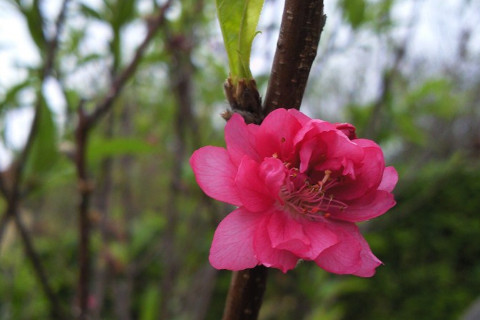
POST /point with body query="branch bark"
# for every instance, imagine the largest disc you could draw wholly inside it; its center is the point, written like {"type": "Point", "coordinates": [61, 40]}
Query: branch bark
{"type": "Point", "coordinates": [56, 311]}
{"type": "Point", "coordinates": [245, 294]}
{"type": "Point", "coordinates": [302, 25]}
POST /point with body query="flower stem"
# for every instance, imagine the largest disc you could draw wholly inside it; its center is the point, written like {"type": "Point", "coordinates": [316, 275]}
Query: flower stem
{"type": "Point", "coordinates": [245, 294]}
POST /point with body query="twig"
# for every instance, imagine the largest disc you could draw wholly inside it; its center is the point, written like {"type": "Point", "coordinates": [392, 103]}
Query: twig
{"type": "Point", "coordinates": [85, 189]}
{"type": "Point", "coordinates": [56, 311]}
{"type": "Point", "coordinates": [302, 25]}
{"type": "Point", "coordinates": [85, 123]}
{"type": "Point", "coordinates": [120, 81]}
{"type": "Point", "coordinates": [388, 78]}
{"type": "Point", "coordinates": [13, 195]}
{"type": "Point", "coordinates": [3, 185]}
{"type": "Point", "coordinates": [245, 294]}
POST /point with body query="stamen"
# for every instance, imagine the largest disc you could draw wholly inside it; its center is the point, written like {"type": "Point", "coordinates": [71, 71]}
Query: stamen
{"type": "Point", "coordinates": [310, 200]}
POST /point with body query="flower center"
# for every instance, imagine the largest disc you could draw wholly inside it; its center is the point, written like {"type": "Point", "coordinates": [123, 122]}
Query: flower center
{"type": "Point", "coordinates": [312, 200]}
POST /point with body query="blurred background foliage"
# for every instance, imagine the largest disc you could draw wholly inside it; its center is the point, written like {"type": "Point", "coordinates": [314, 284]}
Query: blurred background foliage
{"type": "Point", "coordinates": [152, 226]}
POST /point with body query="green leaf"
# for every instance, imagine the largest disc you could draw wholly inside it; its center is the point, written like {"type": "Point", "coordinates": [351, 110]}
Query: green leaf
{"type": "Point", "coordinates": [149, 303]}
{"type": "Point", "coordinates": [35, 24]}
{"type": "Point", "coordinates": [90, 12]}
{"type": "Point", "coordinates": [10, 99]}
{"type": "Point", "coordinates": [99, 148]}
{"type": "Point", "coordinates": [238, 21]}
{"type": "Point", "coordinates": [43, 153]}
{"type": "Point", "coordinates": [354, 11]}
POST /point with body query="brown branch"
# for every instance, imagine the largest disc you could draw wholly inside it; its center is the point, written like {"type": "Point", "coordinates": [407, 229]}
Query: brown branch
{"type": "Point", "coordinates": [3, 185]}
{"type": "Point", "coordinates": [120, 81]}
{"type": "Point", "coordinates": [85, 123]}
{"type": "Point", "coordinates": [13, 195]}
{"type": "Point", "coordinates": [55, 311]}
{"type": "Point", "coordinates": [85, 190]}
{"type": "Point", "coordinates": [245, 294]}
{"type": "Point", "coordinates": [302, 25]}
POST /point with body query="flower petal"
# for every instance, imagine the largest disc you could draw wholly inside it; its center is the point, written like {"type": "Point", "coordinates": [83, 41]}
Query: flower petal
{"type": "Point", "coordinates": [215, 174]}
{"type": "Point", "coordinates": [276, 134]}
{"type": "Point", "coordinates": [347, 129]}
{"type": "Point", "coordinates": [287, 234]}
{"type": "Point", "coordinates": [345, 256]}
{"type": "Point", "coordinates": [269, 256]}
{"type": "Point", "coordinates": [232, 246]}
{"type": "Point", "coordinates": [240, 139]}
{"type": "Point", "coordinates": [389, 180]}
{"type": "Point", "coordinates": [320, 237]}
{"type": "Point", "coordinates": [369, 262]}
{"type": "Point", "coordinates": [253, 192]}
{"type": "Point", "coordinates": [368, 176]}
{"type": "Point", "coordinates": [367, 207]}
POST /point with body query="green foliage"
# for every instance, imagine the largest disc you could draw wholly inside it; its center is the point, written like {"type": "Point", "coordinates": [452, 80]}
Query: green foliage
{"type": "Point", "coordinates": [365, 13]}
{"type": "Point", "coordinates": [100, 148]}
{"type": "Point", "coordinates": [43, 153]}
{"type": "Point", "coordinates": [238, 21]}
{"type": "Point", "coordinates": [35, 23]}
{"type": "Point", "coordinates": [354, 11]}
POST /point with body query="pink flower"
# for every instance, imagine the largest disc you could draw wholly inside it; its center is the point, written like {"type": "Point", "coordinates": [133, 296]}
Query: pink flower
{"type": "Point", "coordinates": [300, 185]}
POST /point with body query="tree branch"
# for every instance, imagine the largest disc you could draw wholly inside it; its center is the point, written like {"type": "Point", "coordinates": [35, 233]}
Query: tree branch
{"type": "Point", "coordinates": [245, 294]}
{"type": "Point", "coordinates": [85, 123]}
{"type": "Point", "coordinates": [302, 25]}
{"type": "Point", "coordinates": [55, 311]}
{"type": "Point", "coordinates": [120, 81]}
{"type": "Point", "coordinates": [13, 195]}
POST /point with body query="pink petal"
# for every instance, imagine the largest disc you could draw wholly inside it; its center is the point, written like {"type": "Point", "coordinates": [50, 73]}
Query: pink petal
{"type": "Point", "coordinates": [368, 176]}
{"type": "Point", "coordinates": [253, 192]}
{"type": "Point", "coordinates": [320, 237]}
{"type": "Point", "coordinates": [369, 261]}
{"type": "Point", "coordinates": [367, 207]}
{"type": "Point", "coordinates": [304, 238]}
{"type": "Point", "coordinates": [240, 139]}
{"type": "Point", "coordinates": [389, 180]}
{"type": "Point", "coordinates": [273, 172]}
{"type": "Point", "coordinates": [287, 234]}
{"type": "Point", "coordinates": [302, 118]}
{"type": "Point", "coordinates": [368, 265]}
{"type": "Point", "coordinates": [269, 256]}
{"type": "Point", "coordinates": [347, 129]}
{"type": "Point", "coordinates": [327, 150]}
{"type": "Point", "coordinates": [345, 256]}
{"type": "Point", "coordinates": [215, 174]}
{"type": "Point", "coordinates": [351, 255]}
{"type": "Point", "coordinates": [312, 129]}
{"type": "Point", "coordinates": [276, 134]}
{"type": "Point", "coordinates": [232, 246]}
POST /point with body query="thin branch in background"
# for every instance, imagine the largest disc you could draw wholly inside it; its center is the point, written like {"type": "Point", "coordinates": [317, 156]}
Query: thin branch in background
{"type": "Point", "coordinates": [120, 81]}
{"type": "Point", "coordinates": [3, 186]}
{"type": "Point", "coordinates": [388, 78]}
{"type": "Point", "coordinates": [85, 123]}
{"type": "Point", "coordinates": [56, 311]}
{"type": "Point", "coordinates": [13, 195]}
{"type": "Point", "coordinates": [300, 31]}
{"type": "Point", "coordinates": [181, 75]}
